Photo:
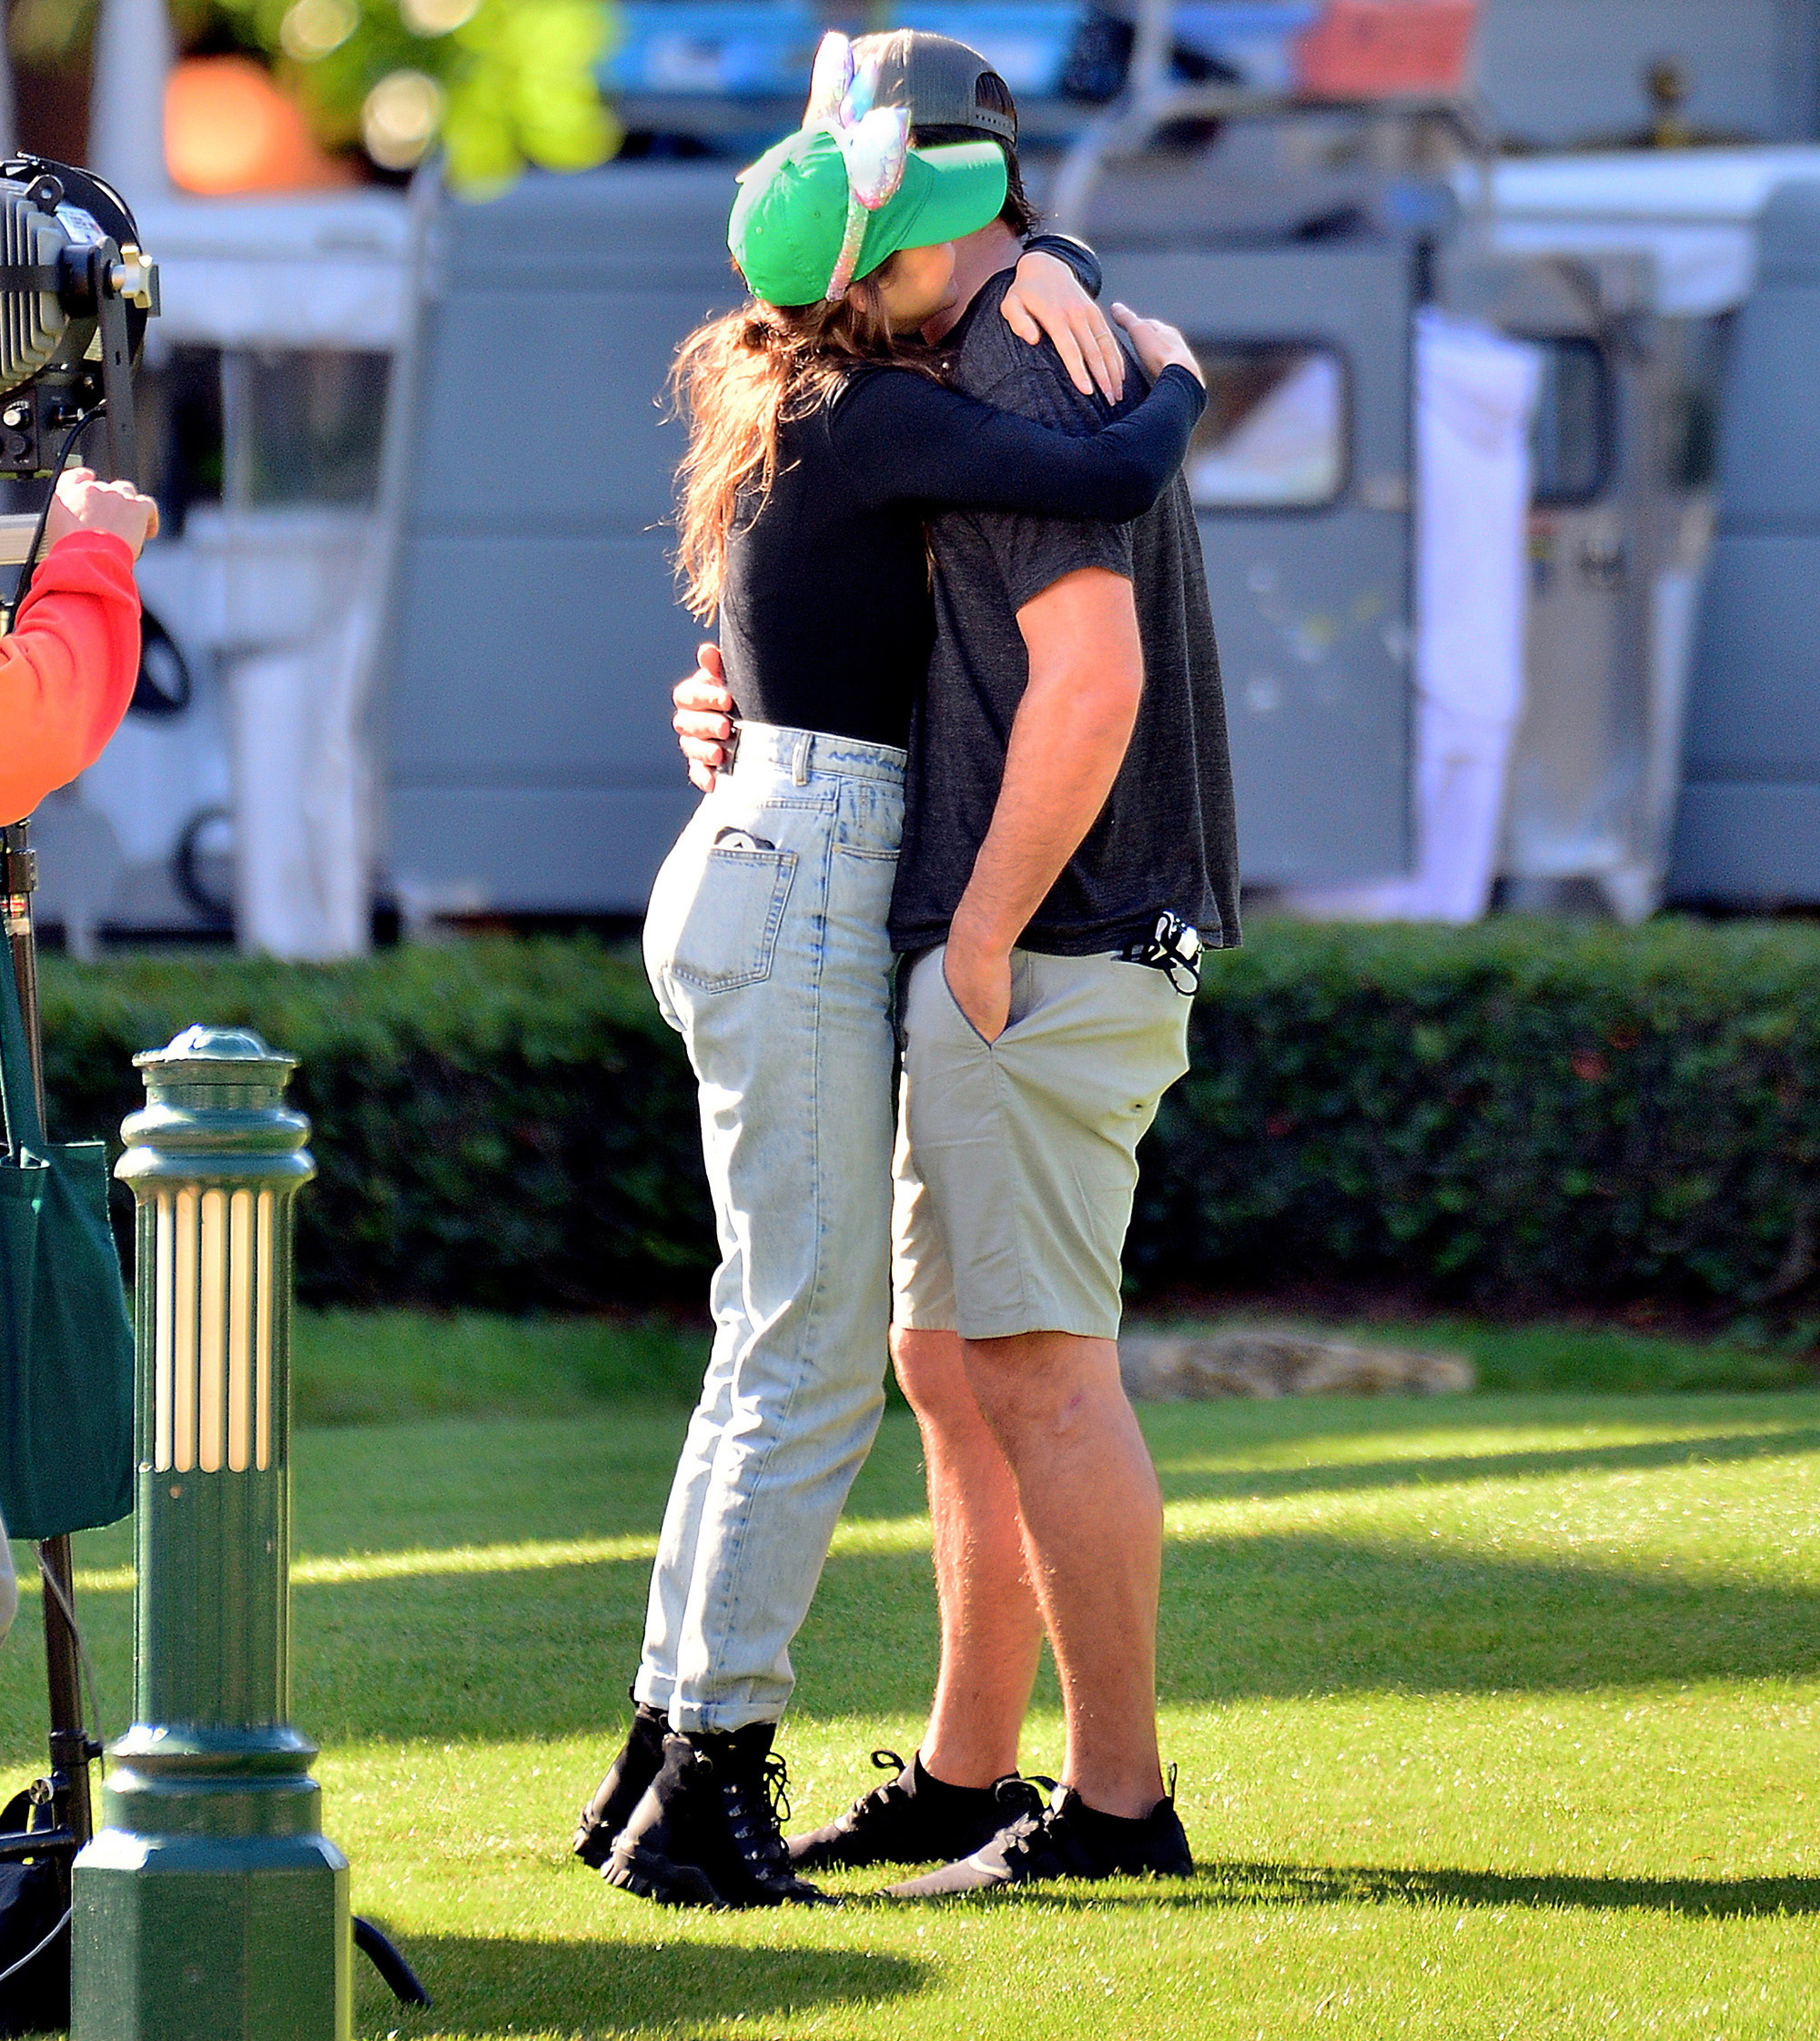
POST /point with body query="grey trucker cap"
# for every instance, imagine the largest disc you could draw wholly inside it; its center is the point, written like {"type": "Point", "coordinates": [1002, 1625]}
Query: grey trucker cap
{"type": "Point", "coordinates": [935, 77]}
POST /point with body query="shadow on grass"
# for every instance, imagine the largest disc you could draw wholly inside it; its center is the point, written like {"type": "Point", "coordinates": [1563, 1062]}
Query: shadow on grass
{"type": "Point", "coordinates": [1302, 1884]}
{"type": "Point", "coordinates": [486, 1986]}
{"type": "Point", "coordinates": [546, 1652]}
{"type": "Point", "coordinates": [1298, 1615]}
{"type": "Point", "coordinates": [1188, 1484]}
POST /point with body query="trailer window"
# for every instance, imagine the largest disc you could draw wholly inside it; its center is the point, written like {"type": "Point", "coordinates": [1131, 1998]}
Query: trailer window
{"type": "Point", "coordinates": [1573, 437]}
{"type": "Point", "coordinates": [1274, 434]}
{"type": "Point", "coordinates": [303, 425]}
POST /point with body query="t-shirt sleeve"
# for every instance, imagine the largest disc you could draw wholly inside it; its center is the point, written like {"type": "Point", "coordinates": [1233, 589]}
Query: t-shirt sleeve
{"type": "Point", "coordinates": [1034, 553]}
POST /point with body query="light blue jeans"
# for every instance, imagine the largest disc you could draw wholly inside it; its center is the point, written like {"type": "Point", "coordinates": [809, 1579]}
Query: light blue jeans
{"type": "Point", "coordinates": [765, 943]}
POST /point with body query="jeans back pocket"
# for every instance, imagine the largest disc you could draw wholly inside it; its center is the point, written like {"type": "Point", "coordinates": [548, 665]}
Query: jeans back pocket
{"type": "Point", "coordinates": [725, 930]}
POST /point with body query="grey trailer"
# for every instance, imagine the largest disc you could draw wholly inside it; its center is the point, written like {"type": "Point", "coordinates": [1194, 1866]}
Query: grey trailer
{"type": "Point", "coordinates": [1749, 830]}
{"type": "Point", "coordinates": [1299, 473]}
{"type": "Point", "coordinates": [534, 632]}
{"type": "Point", "coordinates": [1618, 533]}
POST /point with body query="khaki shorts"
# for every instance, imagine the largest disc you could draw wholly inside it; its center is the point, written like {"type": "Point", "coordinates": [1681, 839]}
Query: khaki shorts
{"type": "Point", "coordinates": [1017, 1159]}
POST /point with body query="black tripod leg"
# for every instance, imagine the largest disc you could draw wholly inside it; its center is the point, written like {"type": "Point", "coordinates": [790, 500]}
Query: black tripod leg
{"type": "Point", "coordinates": [70, 1748]}
{"type": "Point", "coordinates": [400, 1978]}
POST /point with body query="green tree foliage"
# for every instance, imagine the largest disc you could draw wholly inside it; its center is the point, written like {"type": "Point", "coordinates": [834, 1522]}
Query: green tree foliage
{"type": "Point", "coordinates": [498, 84]}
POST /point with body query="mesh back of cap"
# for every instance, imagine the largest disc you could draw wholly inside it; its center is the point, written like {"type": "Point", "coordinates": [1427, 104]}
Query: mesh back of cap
{"type": "Point", "coordinates": [937, 79]}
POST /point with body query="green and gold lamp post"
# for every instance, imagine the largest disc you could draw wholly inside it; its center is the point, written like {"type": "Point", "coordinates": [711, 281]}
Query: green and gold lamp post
{"type": "Point", "coordinates": [210, 1906]}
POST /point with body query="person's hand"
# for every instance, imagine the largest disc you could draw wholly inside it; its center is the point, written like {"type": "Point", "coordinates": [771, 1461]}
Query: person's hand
{"type": "Point", "coordinates": [1158, 346]}
{"type": "Point", "coordinates": [979, 979]}
{"type": "Point", "coordinates": [705, 717]}
{"type": "Point", "coordinates": [83, 504]}
{"type": "Point", "coordinates": [1045, 297]}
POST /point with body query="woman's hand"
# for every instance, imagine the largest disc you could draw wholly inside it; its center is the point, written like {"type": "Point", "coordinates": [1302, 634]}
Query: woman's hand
{"type": "Point", "coordinates": [1159, 347]}
{"type": "Point", "coordinates": [1045, 297]}
{"type": "Point", "coordinates": [703, 717]}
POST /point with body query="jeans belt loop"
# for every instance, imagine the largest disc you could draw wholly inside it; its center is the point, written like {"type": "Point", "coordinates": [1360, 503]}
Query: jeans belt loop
{"type": "Point", "coordinates": [799, 771]}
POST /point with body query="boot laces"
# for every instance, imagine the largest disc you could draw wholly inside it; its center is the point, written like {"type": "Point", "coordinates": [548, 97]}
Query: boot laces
{"type": "Point", "coordinates": [757, 1807]}
{"type": "Point", "coordinates": [1027, 1837]}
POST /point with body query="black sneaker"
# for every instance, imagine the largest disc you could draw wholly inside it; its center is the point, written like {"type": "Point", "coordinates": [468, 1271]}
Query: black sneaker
{"type": "Point", "coordinates": [622, 1788]}
{"type": "Point", "coordinates": [706, 1833]}
{"type": "Point", "coordinates": [913, 1818]}
{"type": "Point", "coordinates": [1067, 1839]}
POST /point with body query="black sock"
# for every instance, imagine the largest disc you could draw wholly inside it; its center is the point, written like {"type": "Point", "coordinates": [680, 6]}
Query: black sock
{"type": "Point", "coordinates": [924, 1785]}
{"type": "Point", "coordinates": [1107, 1832]}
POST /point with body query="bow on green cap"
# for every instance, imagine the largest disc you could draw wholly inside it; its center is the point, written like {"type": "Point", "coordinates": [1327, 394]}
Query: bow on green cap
{"type": "Point", "coordinates": [832, 202]}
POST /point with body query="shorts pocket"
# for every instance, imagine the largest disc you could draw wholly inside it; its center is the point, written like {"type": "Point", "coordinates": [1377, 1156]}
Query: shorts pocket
{"type": "Point", "coordinates": [1021, 1001]}
{"type": "Point", "coordinates": [726, 934]}
{"type": "Point", "coordinates": [960, 1012]}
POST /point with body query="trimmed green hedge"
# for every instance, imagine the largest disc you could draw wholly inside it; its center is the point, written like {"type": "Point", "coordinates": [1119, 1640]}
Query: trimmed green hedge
{"type": "Point", "coordinates": [1524, 1110]}
{"type": "Point", "coordinates": [1527, 1109]}
{"type": "Point", "coordinates": [497, 1124]}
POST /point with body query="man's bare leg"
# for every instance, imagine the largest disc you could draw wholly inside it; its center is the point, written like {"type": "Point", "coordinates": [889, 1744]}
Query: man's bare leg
{"type": "Point", "coordinates": [992, 1629]}
{"type": "Point", "coordinates": [1093, 1515]}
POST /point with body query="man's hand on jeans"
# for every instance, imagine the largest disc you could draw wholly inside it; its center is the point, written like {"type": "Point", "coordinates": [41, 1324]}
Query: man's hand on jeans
{"type": "Point", "coordinates": [84, 504]}
{"type": "Point", "coordinates": [705, 717]}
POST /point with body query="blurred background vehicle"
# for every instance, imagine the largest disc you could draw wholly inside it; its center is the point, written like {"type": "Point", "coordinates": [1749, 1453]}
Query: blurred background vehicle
{"type": "Point", "coordinates": [420, 628]}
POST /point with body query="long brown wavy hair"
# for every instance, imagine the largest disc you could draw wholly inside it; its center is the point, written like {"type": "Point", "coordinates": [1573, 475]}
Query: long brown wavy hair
{"type": "Point", "coordinates": [736, 381]}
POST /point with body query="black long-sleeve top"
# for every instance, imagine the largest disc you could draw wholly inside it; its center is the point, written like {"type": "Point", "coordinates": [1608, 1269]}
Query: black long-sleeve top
{"type": "Point", "coordinates": [825, 616]}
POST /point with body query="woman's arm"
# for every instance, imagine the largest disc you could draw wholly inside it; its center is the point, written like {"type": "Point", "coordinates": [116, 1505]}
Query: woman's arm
{"type": "Point", "coordinates": [902, 438]}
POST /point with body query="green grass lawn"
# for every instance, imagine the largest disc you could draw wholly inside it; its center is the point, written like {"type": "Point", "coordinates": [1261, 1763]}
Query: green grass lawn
{"type": "Point", "coordinates": [376, 1367]}
{"type": "Point", "coordinates": [1497, 1716]}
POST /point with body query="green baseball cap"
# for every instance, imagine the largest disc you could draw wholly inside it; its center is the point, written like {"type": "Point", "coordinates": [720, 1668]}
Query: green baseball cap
{"type": "Point", "coordinates": [791, 214]}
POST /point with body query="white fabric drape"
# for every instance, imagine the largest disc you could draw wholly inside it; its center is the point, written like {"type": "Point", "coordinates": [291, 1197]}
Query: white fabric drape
{"type": "Point", "coordinates": [1476, 394]}
{"type": "Point", "coordinates": [285, 601]}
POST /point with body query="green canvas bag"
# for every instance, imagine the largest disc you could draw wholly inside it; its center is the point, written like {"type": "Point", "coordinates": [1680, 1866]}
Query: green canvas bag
{"type": "Point", "coordinates": [65, 1342]}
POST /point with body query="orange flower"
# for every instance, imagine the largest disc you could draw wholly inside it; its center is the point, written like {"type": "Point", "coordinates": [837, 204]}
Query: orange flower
{"type": "Point", "coordinates": [228, 128]}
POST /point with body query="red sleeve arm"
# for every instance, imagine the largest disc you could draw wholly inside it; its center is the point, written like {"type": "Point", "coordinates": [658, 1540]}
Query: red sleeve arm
{"type": "Point", "coordinates": [68, 668]}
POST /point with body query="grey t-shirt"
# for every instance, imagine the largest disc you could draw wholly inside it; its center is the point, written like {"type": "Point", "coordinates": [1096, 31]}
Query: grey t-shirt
{"type": "Point", "coordinates": [1166, 838]}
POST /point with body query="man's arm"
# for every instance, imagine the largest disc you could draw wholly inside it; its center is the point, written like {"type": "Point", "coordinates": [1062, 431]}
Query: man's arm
{"type": "Point", "coordinates": [1067, 741]}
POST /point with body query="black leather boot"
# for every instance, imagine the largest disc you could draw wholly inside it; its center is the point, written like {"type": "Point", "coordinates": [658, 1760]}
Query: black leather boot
{"type": "Point", "coordinates": [707, 1832]}
{"type": "Point", "coordinates": [622, 1788]}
